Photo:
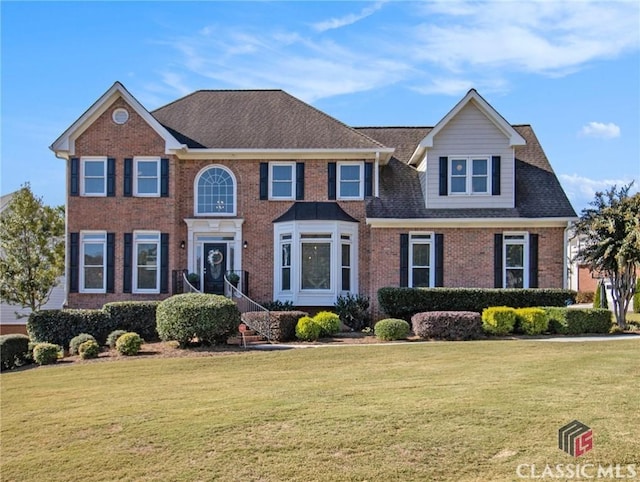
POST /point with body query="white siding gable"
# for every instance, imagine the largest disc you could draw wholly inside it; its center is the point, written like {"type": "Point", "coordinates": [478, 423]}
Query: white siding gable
{"type": "Point", "coordinates": [469, 133]}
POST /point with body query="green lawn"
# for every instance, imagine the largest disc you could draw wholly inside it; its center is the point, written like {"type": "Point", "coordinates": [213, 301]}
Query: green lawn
{"type": "Point", "coordinates": [418, 411]}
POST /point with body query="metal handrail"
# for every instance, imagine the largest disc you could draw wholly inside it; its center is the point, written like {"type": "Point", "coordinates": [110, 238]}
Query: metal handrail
{"type": "Point", "coordinates": [192, 289]}
{"type": "Point", "coordinates": [261, 325]}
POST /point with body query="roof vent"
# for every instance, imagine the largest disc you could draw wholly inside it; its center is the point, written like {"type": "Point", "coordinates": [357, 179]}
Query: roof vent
{"type": "Point", "coordinates": [120, 116]}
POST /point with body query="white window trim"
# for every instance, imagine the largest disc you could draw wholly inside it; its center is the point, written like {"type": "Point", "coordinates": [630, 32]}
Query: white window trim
{"type": "Point", "coordinates": [360, 195]}
{"type": "Point", "coordinates": [291, 165]}
{"type": "Point", "coordinates": [136, 241]}
{"type": "Point", "coordinates": [81, 266]}
{"type": "Point", "coordinates": [82, 175]}
{"type": "Point", "coordinates": [432, 255]}
{"type": "Point", "coordinates": [135, 176]}
{"type": "Point", "coordinates": [195, 192]}
{"type": "Point", "coordinates": [525, 254]}
{"type": "Point", "coordinates": [469, 175]}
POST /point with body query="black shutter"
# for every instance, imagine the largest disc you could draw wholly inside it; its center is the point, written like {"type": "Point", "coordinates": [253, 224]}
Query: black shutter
{"type": "Point", "coordinates": [495, 175]}
{"type": "Point", "coordinates": [128, 260]}
{"type": "Point", "coordinates": [128, 178]}
{"type": "Point", "coordinates": [74, 177]}
{"type": "Point", "coordinates": [111, 259]}
{"type": "Point", "coordinates": [368, 179]}
{"type": "Point", "coordinates": [74, 261]}
{"type": "Point", "coordinates": [497, 260]}
{"type": "Point", "coordinates": [164, 177]}
{"type": "Point", "coordinates": [264, 180]}
{"type": "Point", "coordinates": [439, 247]}
{"type": "Point", "coordinates": [331, 180]}
{"type": "Point", "coordinates": [299, 181]}
{"type": "Point", "coordinates": [164, 263]}
{"type": "Point", "coordinates": [404, 260]}
{"type": "Point", "coordinates": [111, 177]}
{"type": "Point", "coordinates": [444, 175]}
{"type": "Point", "coordinates": [533, 261]}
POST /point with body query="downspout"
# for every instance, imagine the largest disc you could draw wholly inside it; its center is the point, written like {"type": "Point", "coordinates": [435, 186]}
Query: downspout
{"type": "Point", "coordinates": [67, 279]}
{"type": "Point", "coordinates": [565, 258]}
{"type": "Point", "coordinates": [376, 190]}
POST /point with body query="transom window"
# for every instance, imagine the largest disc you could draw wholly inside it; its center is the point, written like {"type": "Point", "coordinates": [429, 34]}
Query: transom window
{"type": "Point", "coordinates": [421, 260]}
{"type": "Point", "coordinates": [146, 251]}
{"type": "Point", "coordinates": [470, 175]}
{"type": "Point", "coordinates": [215, 192]}
{"type": "Point", "coordinates": [93, 255]}
{"type": "Point", "coordinates": [515, 255]}
{"type": "Point", "coordinates": [281, 186]}
{"type": "Point", "coordinates": [350, 180]}
{"type": "Point", "coordinates": [147, 177]}
{"type": "Point", "coordinates": [94, 176]}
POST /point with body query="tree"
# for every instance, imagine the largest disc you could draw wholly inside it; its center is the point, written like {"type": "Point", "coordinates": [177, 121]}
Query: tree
{"type": "Point", "coordinates": [31, 250]}
{"type": "Point", "coordinates": [612, 232]}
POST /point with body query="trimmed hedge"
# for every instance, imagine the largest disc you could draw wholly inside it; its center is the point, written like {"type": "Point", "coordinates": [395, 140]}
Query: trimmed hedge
{"type": "Point", "coordinates": [532, 321]}
{"type": "Point", "coordinates": [391, 329]}
{"type": "Point", "coordinates": [574, 321]}
{"type": "Point", "coordinates": [447, 325]}
{"type": "Point", "coordinates": [498, 320]}
{"type": "Point", "coordinates": [406, 302]}
{"type": "Point", "coordinates": [307, 329]}
{"type": "Point", "coordinates": [283, 323]}
{"type": "Point", "coordinates": [60, 326]}
{"type": "Point", "coordinates": [14, 351]}
{"type": "Point", "coordinates": [329, 323]}
{"type": "Point", "coordinates": [135, 316]}
{"type": "Point", "coordinates": [190, 316]}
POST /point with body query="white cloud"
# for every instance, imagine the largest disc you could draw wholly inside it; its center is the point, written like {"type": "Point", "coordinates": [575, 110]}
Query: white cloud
{"type": "Point", "coordinates": [581, 190]}
{"type": "Point", "coordinates": [600, 130]}
{"type": "Point", "coordinates": [347, 20]}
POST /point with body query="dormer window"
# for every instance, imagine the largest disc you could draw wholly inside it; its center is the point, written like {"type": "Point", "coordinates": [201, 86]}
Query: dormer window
{"type": "Point", "coordinates": [469, 175]}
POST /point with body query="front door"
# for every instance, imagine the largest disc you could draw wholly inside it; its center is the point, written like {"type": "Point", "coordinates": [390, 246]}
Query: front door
{"type": "Point", "coordinates": [215, 265]}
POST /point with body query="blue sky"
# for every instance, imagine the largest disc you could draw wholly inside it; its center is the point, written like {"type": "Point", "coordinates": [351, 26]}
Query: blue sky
{"type": "Point", "coordinates": [570, 69]}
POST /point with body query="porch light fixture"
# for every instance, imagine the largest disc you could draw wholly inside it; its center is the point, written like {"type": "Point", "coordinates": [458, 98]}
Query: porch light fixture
{"type": "Point", "coordinates": [182, 244]}
{"type": "Point", "coordinates": [245, 244]}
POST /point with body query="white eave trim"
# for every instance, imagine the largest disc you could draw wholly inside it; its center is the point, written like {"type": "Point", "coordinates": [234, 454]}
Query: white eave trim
{"type": "Point", "coordinates": [282, 154]}
{"type": "Point", "coordinates": [424, 223]}
{"type": "Point", "coordinates": [64, 146]}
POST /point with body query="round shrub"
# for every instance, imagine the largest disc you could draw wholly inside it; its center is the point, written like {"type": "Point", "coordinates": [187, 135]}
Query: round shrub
{"type": "Point", "coordinates": [197, 316]}
{"type": "Point", "coordinates": [129, 344]}
{"type": "Point", "coordinates": [329, 323]}
{"type": "Point", "coordinates": [498, 320]}
{"type": "Point", "coordinates": [391, 329]}
{"type": "Point", "coordinates": [113, 337]}
{"type": "Point", "coordinates": [76, 341]}
{"type": "Point", "coordinates": [307, 329]}
{"type": "Point", "coordinates": [46, 353]}
{"type": "Point", "coordinates": [532, 321]}
{"type": "Point", "coordinates": [14, 351]}
{"type": "Point", "coordinates": [89, 349]}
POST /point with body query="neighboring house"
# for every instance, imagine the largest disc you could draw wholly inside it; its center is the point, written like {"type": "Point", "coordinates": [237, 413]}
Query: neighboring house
{"type": "Point", "coordinates": [304, 206]}
{"type": "Point", "coordinates": [13, 319]}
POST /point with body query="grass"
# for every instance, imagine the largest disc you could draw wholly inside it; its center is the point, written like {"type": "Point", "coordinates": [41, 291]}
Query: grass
{"type": "Point", "coordinates": [421, 411]}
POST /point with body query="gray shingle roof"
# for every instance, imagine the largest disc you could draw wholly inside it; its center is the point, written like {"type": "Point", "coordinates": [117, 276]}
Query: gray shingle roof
{"type": "Point", "coordinates": [256, 119]}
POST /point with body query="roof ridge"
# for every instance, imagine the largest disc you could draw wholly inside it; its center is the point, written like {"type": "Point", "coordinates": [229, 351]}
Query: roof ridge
{"type": "Point", "coordinates": [393, 127]}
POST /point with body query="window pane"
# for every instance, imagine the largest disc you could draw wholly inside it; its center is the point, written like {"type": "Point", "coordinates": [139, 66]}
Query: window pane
{"type": "Point", "coordinates": [147, 168]}
{"type": "Point", "coordinates": [515, 256]}
{"type": "Point", "coordinates": [479, 184]}
{"type": "Point", "coordinates": [459, 167]}
{"type": "Point", "coordinates": [421, 254]}
{"type": "Point", "coordinates": [286, 279]}
{"type": "Point", "coordinates": [94, 168]}
{"type": "Point", "coordinates": [349, 189]}
{"type": "Point", "coordinates": [316, 266]}
{"type": "Point", "coordinates": [286, 255]}
{"type": "Point", "coordinates": [147, 276]}
{"type": "Point", "coordinates": [147, 254]}
{"type": "Point", "coordinates": [215, 192]}
{"type": "Point", "coordinates": [346, 255]}
{"type": "Point", "coordinates": [515, 278]}
{"type": "Point", "coordinates": [458, 184]}
{"type": "Point", "coordinates": [148, 186]}
{"type": "Point", "coordinates": [479, 167]}
{"type": "Point", "coordinates": [349, 173]}
{"type": "Point", "coordinates": [346, 279]}
{"type": "Point", "coordinates": [281, 189]}
{"type": "Point", "coordinates": [94, 255]}
{"type": "Point", "coordinates": [420, 277]}
{"type": "Point", "coordinates": [94, 185]}
{"type": "Point", "coordinates": [93, 278]}
{"type": "Point", "coordinates": [281, 173]}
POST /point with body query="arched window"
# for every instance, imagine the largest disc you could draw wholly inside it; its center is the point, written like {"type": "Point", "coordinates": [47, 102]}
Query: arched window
{"type": "Point", "coordinates": [215, 192]}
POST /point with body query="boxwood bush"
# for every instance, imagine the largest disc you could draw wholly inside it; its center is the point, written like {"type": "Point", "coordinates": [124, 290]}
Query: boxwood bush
{"type": "Point", "coordinates": [576, 321]}
{"type": "Point", "coordinates": [89, 349]}
{"type": "Point", "coordinates": [447, 325]}
{"type": "Point", "coordinates": [307, 329]}
{"type": "Point", "coordinates": [135, 316]}
{"type": "Point", "coordinates": [113, 337]}
{"type": "Point", "coordinates": [129, 344]}
{"type": "Point", "coordinates": [46, 353]}
{"type": "Point", "coordinates": [203, 317]}
{"type": "Point", "coordinates": [498, 320]}
{"type": "Point", "coordinates": [391, 329]}
{"type": "Point", "coordinates": [405, 302]}
{"type": "Point", "coordinates": [14, 351]}
{"type": "Point", "coordinates": [60, 326]}
{"type": "Point", "coordinates": [78, 340]}
{"type": "Point", "coordinates": [532, 321]}
{"type": "Point", "coordinates": [283, 323]}
{"type": "Point", "coordinates": [329, 323]}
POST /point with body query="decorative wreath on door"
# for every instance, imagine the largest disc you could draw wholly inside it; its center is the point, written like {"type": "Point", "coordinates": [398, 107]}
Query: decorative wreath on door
{"type": "Point", "coordinates": [215, 257]}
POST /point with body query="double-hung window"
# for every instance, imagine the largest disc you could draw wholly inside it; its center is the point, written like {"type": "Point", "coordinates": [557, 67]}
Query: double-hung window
{"type": "Point", "coordinates": [93, 256]}
{"type": "Point", "coordinates": [146, 253]}
{"type": "Point", "coordinates": [94, 176]}
{"type": "Point", "coordinates": [350, 180]}
{"type": "Point", "coordinates": [515, 256]}
{"type": "Point", "coordinates": [470, 175]}
{"type": "Point", "coordinates": [147, 177]}
{"type": "Point", "coordinates": [282, 181]}
{"type": "Point", "coordinates": [421, 260]}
